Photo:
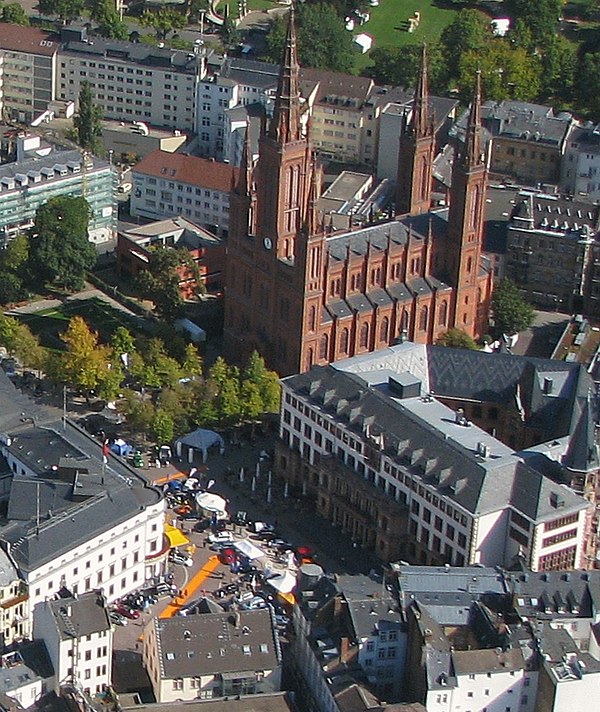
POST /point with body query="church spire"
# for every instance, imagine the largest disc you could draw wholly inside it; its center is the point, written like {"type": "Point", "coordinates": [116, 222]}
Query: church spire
{"type": "Point", "coordinates": [244, 185]}
{"type": "Point", "coordinates": [421, 120]}
{"type": "Point", "coordinates": [285, 124]}
{"type": "Point", "coordinates": [472, 150]}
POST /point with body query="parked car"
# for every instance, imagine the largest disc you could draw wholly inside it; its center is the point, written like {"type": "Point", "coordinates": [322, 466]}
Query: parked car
{"type": "Point", "coordinates": [226, 590]}
{"type": "Point", "coordinates": [202, 525]}
{"type": "Point", "coordinates": [221, 538]}
{"type": "Point", "coordinates": [117, 618]}
{"type": "Point", "coordinates": [124, 610]}
{"type": "Point", "coordinates": [177, 557]}
{"type": "Point", "coordinates": [227, 556]}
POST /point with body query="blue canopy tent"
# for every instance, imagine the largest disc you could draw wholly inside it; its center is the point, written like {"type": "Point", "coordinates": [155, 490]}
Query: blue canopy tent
{"type": "Point", "coordinates": [200, 440]}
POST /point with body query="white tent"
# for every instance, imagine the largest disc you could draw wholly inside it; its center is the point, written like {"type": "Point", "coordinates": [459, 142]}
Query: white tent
{"type": "Point", "coordinates": [211, 505]}
{"type": "Point", "coordinates": [248, 549]}
{"type": "Point", "coordinates": [200, 440]}
{"type": "Point", "coordinates": [283, 582]}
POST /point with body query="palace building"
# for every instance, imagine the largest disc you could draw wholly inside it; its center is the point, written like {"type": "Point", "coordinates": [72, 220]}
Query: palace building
{"type": "Point", "coordinates": [304, 294]}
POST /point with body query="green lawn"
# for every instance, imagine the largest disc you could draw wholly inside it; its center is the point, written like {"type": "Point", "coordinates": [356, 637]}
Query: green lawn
{"type": "Point", "coordinates": [48, 324]}
{"type": "Point", "coordinates": [389, 20]}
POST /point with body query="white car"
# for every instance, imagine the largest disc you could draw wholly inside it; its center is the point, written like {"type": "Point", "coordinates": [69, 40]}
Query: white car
{"type": "Point", "coordinates": [178, 558]}
{"type": "Point", "coordinates": [220, 538]}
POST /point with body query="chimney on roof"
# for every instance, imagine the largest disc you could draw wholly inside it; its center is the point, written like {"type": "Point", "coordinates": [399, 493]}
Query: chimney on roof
{"type": "Point", "coordinates": [548, 386]}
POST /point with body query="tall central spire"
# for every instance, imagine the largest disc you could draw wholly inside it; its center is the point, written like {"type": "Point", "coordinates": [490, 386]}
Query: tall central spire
{"type": "Point", "coordinates": [421, 123]}
{"type": "Point", "coordinates": [473, 148]}
{"type": "Point", "coordinates": [285, 124]}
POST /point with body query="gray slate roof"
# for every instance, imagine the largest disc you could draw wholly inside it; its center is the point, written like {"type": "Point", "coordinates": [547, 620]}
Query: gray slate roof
{"type": "Point", "coordinates": [78, 617]}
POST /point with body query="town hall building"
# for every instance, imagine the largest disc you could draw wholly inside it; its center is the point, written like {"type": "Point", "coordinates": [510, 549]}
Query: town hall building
{"type": "Point", "coordinates": [304, 294]}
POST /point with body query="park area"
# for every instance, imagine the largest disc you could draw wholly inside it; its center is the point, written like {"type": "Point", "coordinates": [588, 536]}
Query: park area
{"type": "Point", "coordinates": [48, 324]}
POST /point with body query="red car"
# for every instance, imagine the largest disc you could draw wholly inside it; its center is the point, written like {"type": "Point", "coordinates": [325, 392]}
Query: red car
{"type": "Point", "coordinates": [227, 556]}
{"type": "Point", "coordinates": [131, 613]}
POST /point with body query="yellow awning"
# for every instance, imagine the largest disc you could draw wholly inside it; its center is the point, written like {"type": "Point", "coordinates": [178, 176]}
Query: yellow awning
{"type": "Point", "coordinates": [287, 597]}
{"type": "Point", "coordinates": [175, 536]}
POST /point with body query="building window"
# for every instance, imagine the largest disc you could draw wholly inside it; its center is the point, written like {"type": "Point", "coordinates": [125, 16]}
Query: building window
{"type": "Point", "coordinates": [384, 329]}
{"type": "Point", "coordinates": [364, 336]}
{"type": "Point", "coordinates": [423, 318]}
{"type": "Point", "coordinates": [344, 341]}
{"type": "Point", "coordinates": [324, 347]}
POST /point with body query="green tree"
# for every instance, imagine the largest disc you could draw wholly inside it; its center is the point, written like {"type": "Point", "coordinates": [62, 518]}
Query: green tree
{"type": "Point", "coordinates": [66, 10]}
{"type": "Point", "coordinates": [60, 251]}
{"type": "Point", "coordinates": [266, 381]}
{"type": "Point", "coordinates": [13, 258]}
{"type": "Point", "coordinates": [138, 411]}
{"type": "Point", "coordinates": [18, 340]}
{"type": "Point", "coordinates": [160, 282]}
{"type": "Point", "coordinates": [11, 288]}
{"type": "Point", "coordinates": [230, 35]}
{"type": "Point", "coordinates": [559, 65]}
{"type": "Point", "coordinates": [85, 363]}
{"type": "Point", "coordinates": [227, 402]}
{"type": "Point", "coordinates": [587, 82]}
{"type": "Point", "coordinates": [152, 367]}
{"type": "Point", "coordinates": [122, 342]}
{"type": "Point", "coordinates": [14, 14]}
{"type": "Point", "coordinates": [163, 21]}
{"type": "Point", "coordinates": [9, 327]}
{"type": "Point", "coordinates": [458, 339]}
{"type": "Point", "coordinates": [541, 16]}
{"type": "Point", "coordinates": [400, 66]}
{"type": "Point", "coordinates": [192, 362]}
{"type": "Point", "coordinates": [251, 400]}
{"type": "Point", "coordinates": [162, 426]}
{"type": "Point", "coordinates": [511, 312]}
{"type": "Point", "coordinates": [470, 31]}
{"type": "Point", "coordinates": [88, 121]}
{"type": "Point", "coordinates": [506, 72]}
{"type": "Point", "coordinates": [323, 41]}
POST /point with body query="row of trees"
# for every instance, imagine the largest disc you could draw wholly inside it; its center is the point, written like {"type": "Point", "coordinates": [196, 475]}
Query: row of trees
{"type": "Point", "coordinates": [163, 393]}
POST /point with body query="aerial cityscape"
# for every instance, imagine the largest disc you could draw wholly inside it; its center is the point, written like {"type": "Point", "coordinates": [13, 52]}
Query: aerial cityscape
{"type": "Point", "coordinates": [299, 356]}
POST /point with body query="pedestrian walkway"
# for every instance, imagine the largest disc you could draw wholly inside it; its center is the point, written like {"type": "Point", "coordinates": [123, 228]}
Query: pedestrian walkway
{"type": "Point", "coordinates": [188, 592]}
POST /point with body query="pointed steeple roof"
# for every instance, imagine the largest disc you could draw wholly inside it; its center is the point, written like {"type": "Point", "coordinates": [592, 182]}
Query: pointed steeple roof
{"type": "Point", "coordinates": [421, 123]}
{"type": "Point", "coordinates": [244, 186]}
{"type": "Point", "coordinates": [285, 124]}
{"type": "Point", "coordinates": [473, 149]}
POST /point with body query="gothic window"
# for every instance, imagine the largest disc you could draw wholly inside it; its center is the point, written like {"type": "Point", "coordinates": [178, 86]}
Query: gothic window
{"type": "Point", "coordinates": [423, 317]}
{"type": "Point", "coordinates": [443, 314]}
{"type": "Point", "coordinates": [469, 265]}
{"type": "Point", "coordinates": [310, 359]}
{"type": "Point", "coordinates": [344, 341]}
{"type": "Point", "coordinates": [384, 329]}
{"type": "Point", "coordinates": [424, 178]}
{"type": "Point", "coordinates": [312, 318]}
{"type": "Point", "coordinates": [364, 336]}
{"type": "Point", "coordinates": [476, 206]}
{"type": "Point", "coordinates": [324, 347]}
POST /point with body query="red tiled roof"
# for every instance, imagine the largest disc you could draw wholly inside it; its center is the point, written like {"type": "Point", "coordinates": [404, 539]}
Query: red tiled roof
{"type": "Point", "coordinates": [201, 172]}
{"type": "Point", "coordinates": [17, 38]}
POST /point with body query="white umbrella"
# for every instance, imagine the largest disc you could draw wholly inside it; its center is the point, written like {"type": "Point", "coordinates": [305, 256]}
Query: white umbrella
{"type": "Point", "coordinates": [254, 484]}
{"type": "Point", "coordinates": [241, 474]}
{"type": "Point", "coordinates": [286, 490]}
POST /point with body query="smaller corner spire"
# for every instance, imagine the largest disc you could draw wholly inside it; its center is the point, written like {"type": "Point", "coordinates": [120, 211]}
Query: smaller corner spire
{"type": "Point", "coordinates": [473, 150]}
{"type": "Point", "coordinates": [244, 186]}
{"type": "Point", "coordinates": [285, 124]}
{"type": "Point", "coordinates": [422, 121]}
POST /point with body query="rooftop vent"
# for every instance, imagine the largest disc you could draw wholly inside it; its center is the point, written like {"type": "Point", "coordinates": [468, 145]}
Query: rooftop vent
{"type": "Point", "coordinates": [405, 385]}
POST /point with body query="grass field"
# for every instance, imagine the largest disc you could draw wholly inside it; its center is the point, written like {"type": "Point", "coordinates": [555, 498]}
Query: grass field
{"type": "Point", "coordinates": [48, 324]}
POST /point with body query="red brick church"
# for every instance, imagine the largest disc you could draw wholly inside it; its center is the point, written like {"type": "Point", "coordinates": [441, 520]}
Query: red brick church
{"type": "Point", "coordinates": [302, 294]}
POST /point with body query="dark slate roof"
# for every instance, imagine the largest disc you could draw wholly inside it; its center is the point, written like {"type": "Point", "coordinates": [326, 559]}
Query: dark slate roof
{"type": "Point", "coordinates": [78, 617]}
{"type": "Point", "coordinates": [359, 303]}
{"type": "Point", "coordinates": [339, 309]}
{"type": "Point", "coordinates": [379, 297]}
{"type": "Point", "coordinates": [73, 507]}
{"type": "Point", "coordinates": [419, 286]}
{"type": "Point", "coordinates": [216, 643]}
{"type": "Point", "coordinates": [28, 663]}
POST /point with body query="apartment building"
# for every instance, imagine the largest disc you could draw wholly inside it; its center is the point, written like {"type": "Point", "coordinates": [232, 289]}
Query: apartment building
{"type": "Point", "coordinates": [169, 184]}
{"type": "Point", "coordinates": [28, 64]}
{"type": "Point", "coordinates": [553, 254]}
{"type": "Point", "coordinates": [14, 604]}
{"type": "Point", "coordinates": [212, 655]}
{"type": "Point", "coordinates": [132, 81]}
{"type": "Point", "coordinates": [78, 636]}
{"type": "Point", "coordinates": [28, 183]}
{"type": "Point", "coordinates": [26, 675]}
{"type": "Point", "coordinates": [580, 169]}
{"type": "Point", "coordinates": [407, 477]}
{"type": "Point", "coordinates": [73, 522]}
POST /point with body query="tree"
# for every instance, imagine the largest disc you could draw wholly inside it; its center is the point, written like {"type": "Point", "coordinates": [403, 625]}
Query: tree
{"type": "Point", "coordinates": [559, 64]}
{"type": "Point", "coordinates": [66, 10]}
{"type": "Point", "coordinates": [506, 72]}
{"type": "Point", "coordinates": [267, 382]}
{"type": "Point", "coordinates": [587, 82]}
{"type": "Point", "coordinates": [400, 66]}
{"type": "Point", "coordinates": [162, 426]}
{"type": "Point", "coordinates": [88, 121]}
{"type": "Point", "coordinates": [468, 32]}
{"type": "Point", "coordinates": [14, 14]}
{"type": "Point", "coordinates": [11, 288]}
{"type": "Point", "coordinates": [541, 16]}
{"type": "Point", "coordinates": [85, 363]}
{"type": "Point", "coordinates": [160, 282]}
{"type": "Point", "coordinates": [458, 339]}
{"type": "Point", "coordinates": [323, 41]}
{"type": "Point", "coordinates": [122, 342]}
{"type": "Point", "coordinates": [60, 251]}
{"type": "Point", "coordinates": [18, 340]}
{"type": "Point", "coordinates": [163, 21]}
{"type": "Point", "coordinates": [230, 35]}
{"type": "Point", "coordinates": [511, 312]}
{"type": "Point", "coordinates": [192, 362]}
{"type": "Point", "coordinates": [13, 258]}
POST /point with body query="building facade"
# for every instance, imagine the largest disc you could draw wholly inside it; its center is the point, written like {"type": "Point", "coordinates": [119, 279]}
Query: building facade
{"type": "Point", "coordinates": [28, 62]}
{"type": "Point", "coordinates": [169, 184]}
{"type": "Point", "coordinates": [302, 294]}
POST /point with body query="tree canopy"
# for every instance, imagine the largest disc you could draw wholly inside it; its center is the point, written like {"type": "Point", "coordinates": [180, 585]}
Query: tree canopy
{"type": "Point", "coordinates": [15, 14]}
{"type": "Point", "coordinates": [511, 312]}
{"type": "Point", "coordinates": [458, 339]}
{"type": "Point", "coordinates": [66, 10]}
{"type": "Point", "coordinates": [59, 249]}
{"type": "Point", "coordinates": [323, 41]}
{"type": "Point", "coordinates": [163, 21]}
{"type": "Point", "coordinates": [160, 282]}
{"type": "Point", "coordinates": [88, 121]}
{"type": "Point", "coordinates": [540, 16]}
